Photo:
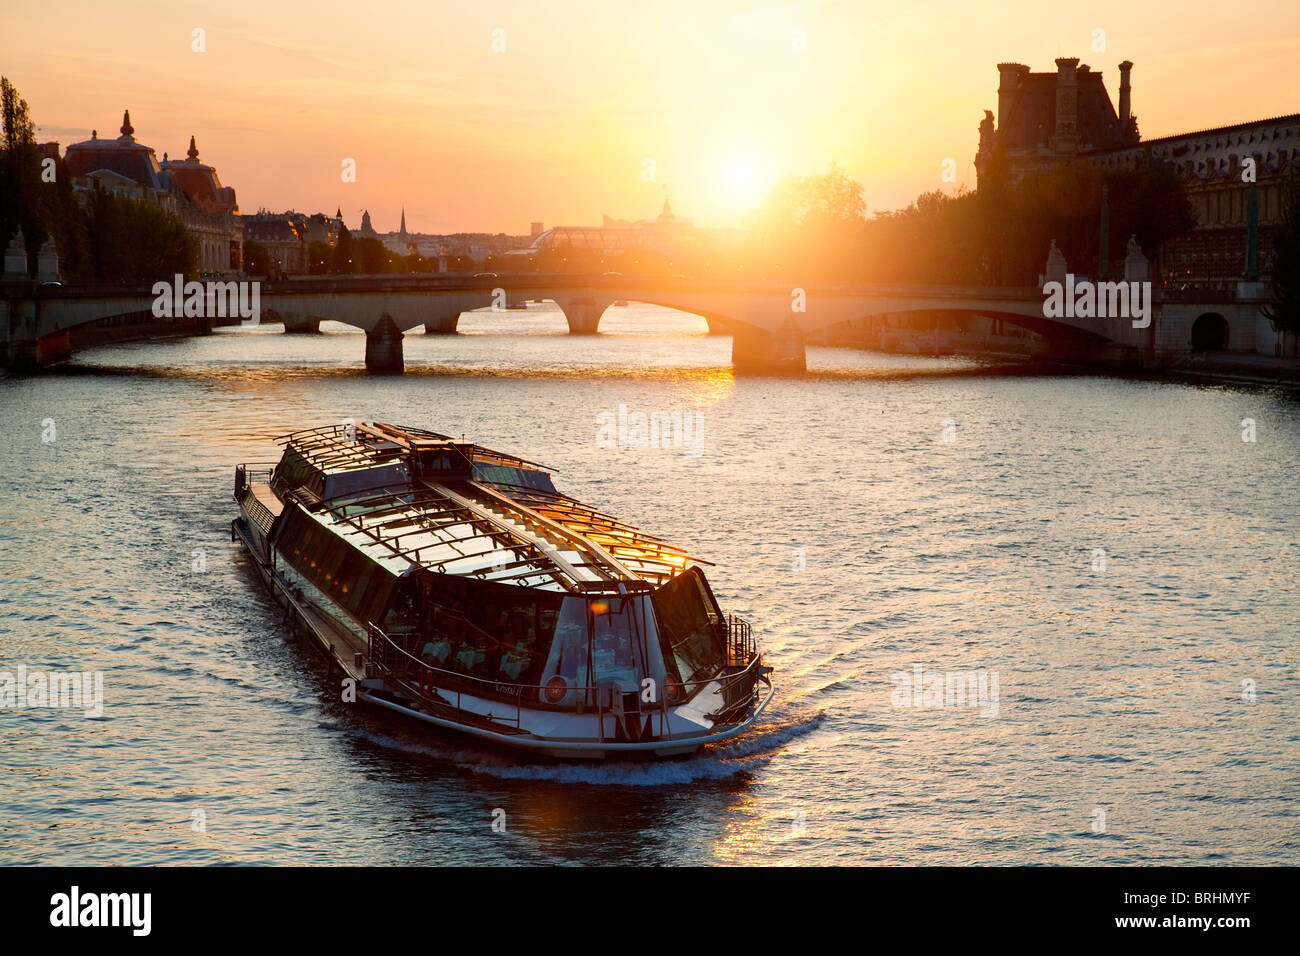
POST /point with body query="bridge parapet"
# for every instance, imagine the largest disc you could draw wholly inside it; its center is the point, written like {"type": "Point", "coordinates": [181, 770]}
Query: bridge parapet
{"type": "Point", "coordinates": [764, 317]}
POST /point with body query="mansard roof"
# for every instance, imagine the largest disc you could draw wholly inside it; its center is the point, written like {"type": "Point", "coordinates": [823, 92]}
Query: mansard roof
{"type": "Point", "coordinates": [1272, 121]}
{"type": "Point", "coordinates": [1030, 119]}
{"type": "Point", "coordinates": [200, 183]}
{"type": "Point", "coordinates": [123, 156]}
{"type": "Point", "coordinates": [126, 157]}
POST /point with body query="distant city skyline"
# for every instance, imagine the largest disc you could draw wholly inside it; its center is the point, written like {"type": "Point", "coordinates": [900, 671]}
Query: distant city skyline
{"type": "Point", "coordinates": [589, 109]}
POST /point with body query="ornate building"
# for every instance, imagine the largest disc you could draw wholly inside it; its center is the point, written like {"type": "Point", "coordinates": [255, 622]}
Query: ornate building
{"type": "Point", "coordinates": [285, 237]}
{"type": "Point", "coordinates": [216, 224]}
{"type": "Point", "coordinates": [1046, 118]}
{"type": "Point", "coordinates": [322, 228]}
{"type": "Point", "coordinates": [1213, 164]}
{"type": "Point", "coordinates": [1067, 116]}
{"type": "Point", "coordinates": [188, 188]}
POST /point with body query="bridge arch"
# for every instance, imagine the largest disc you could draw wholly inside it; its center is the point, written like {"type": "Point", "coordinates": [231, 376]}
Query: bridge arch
{"type": "Point", "coordinates": [585, 312]}
{"type": "Point", "coordinates": [1031, 319]}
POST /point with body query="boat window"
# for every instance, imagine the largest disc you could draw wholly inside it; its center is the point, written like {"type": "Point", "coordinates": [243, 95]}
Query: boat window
{"type": "Point", "coordinates": [492, 632]}
{"type": "Point", "coordinates": [613, 650]}
{"type": "Point", "coordinates": [294, 471]}
{"type": "Point", "coordinates": [348, 576]}
{"type": "Point", "coordinates": [367, 481]}
{"type": "Point", "coordinates": [516, 477]}
{"type": "Point", "coordinates": [442, 463]}
{"type": "Point", "coordinates": [625, 646]}
{"type": "Point", "coordinates": [689, 624]}
{"type": "Point", "coordinates": [567, 659]}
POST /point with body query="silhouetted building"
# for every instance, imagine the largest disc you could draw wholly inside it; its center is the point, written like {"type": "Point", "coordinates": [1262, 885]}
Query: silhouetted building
{"type": "Point", "coordinates": [188, 188]}
{"type": "Point", "coordinates": [285, 237]}
{"type": "Point", "coordinates": [366, 231]}
{"type": "Point", "coordinates": [1046, 118]}
{"type": "Point", "coordinates": [1064, 117]}
{"type": "Point", "coordinates": [667, 233]}
{"type": "Point", "coordinates": [322, 228]}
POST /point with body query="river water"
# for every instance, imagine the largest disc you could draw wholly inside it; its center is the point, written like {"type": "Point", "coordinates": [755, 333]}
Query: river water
{"type": "Point", "coordinates": [1107, 554]}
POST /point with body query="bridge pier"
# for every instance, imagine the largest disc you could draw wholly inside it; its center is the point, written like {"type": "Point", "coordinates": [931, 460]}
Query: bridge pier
{"type": "Point", "coordinates": [22, 357]}
{"type": "Point", "coordinates": [758, 352]}
{"type": "Point", "coordinates": [384, 348]}
{"type": "Point", "coordinates": [31, 355]}
{"type": "Point", "coordinates": [583, 311]}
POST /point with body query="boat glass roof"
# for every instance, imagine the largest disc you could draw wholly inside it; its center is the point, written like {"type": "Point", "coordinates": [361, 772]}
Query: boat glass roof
{"type": "Point", "coordinates": [527, 536]}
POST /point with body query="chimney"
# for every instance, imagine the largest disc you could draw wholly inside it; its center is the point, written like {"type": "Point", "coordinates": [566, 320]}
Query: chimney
{"type": "Point", "coordinates": [1125, 103]}
{"type": "Point", "coordinates": [1009, 81]}
{"type": "Point", "coordinates": [1067, 105]}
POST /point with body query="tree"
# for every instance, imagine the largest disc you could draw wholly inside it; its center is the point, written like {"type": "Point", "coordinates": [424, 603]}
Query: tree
{"type": "Point", "coordinates": [319, 256]}
{"type": "Point", "coordinates": [828, 199]}
{"type": "Point", "coordinates": [22, 200]}
{"type": "Point", "coordinates": [373, 256]}
{"type": "Point", "coordinates": [808, 228]}
{"type": "Point", "coordinates": [133, 241]}
{"type": "Point", "coordinates": [1284, 308]}
{"type": "Point", "coordinates": [345, 260]}
{"type": "Point", "coordinates": [1149, 203]}
{"type": "Point", "coordinates": [257, 259]}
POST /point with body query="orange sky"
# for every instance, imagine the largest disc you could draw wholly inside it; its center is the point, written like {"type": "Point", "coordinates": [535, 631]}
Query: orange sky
{"type": "Point", "coordinates": [559, 125]}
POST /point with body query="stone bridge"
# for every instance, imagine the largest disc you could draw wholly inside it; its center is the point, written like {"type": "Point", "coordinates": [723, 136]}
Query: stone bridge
{"type": "Point", "coordinates": [769, 321]}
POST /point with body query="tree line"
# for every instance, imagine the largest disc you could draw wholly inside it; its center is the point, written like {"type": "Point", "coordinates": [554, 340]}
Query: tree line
{"type": "Point", "coordinates": [996, 235]}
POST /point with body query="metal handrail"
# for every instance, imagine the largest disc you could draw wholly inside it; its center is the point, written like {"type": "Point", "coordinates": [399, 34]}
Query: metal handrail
{"type": "Point", "coordinates": [726, 681]}
{"type": "Point", "coordinates": [248, 469]}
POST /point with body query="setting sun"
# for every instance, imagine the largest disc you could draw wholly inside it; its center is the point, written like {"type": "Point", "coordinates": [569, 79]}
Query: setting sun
{"type": "Point", "coordinates": [744, 183]}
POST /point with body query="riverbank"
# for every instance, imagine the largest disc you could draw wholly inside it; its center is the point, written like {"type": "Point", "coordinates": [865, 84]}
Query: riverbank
{"type": "Point", "coordinates": [1233, 367]}
{"type": "Point", "coordinates": [1224, 367]}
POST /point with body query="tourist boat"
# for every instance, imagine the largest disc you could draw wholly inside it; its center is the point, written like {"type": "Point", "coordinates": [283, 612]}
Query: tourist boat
{"type": "Point", "coordinates": [454, 585]}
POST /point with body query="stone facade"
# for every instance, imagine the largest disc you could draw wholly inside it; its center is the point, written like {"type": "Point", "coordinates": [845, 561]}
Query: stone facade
{"type": "Point", "coordinates": [285, 240]}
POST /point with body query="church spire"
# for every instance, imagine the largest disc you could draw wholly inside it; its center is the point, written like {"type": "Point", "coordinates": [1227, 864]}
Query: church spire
{"type": "Point", "coordinates": [127, 129]}
{"type": "Point", "coordinates": [194, 150]}
{"type": "Point", "coordinates": [402, 231]}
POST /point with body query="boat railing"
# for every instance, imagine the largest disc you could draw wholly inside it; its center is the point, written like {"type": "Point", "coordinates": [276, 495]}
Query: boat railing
{"type": "Point", "coordinates": [744, 671]}
{"type": "Point", "coordinates": [251, 471]}
{"type": "Point", "coordinates": [741, 646]}
{"type": "Point", "coordinates": [738, 687]}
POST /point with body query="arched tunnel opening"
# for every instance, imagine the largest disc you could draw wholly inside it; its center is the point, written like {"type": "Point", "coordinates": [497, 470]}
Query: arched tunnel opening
{"type": "Point", "coordinates": [1210, 333]}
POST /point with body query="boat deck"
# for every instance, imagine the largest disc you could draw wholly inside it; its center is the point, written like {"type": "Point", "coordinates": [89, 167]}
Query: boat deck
{"type": "Point", "coordinates": [266, 497]}
{"type": "Point", "coordinates": [336, 640]}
